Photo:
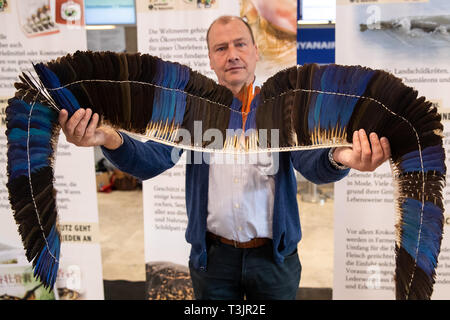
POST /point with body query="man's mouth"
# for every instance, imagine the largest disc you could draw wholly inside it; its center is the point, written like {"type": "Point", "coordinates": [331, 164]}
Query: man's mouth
{"type": "Point", "coordinates": [234, 68]}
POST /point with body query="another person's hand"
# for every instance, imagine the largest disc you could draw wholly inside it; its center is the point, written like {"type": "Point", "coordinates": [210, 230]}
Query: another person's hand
{"type": "Point", "coordinates": [364, 155]}
{"type": "Point", "coordinates": [81, 130]}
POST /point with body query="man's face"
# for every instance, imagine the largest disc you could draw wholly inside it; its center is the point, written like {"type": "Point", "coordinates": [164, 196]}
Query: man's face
{"type": "Point", "coordinates": [232, 54]}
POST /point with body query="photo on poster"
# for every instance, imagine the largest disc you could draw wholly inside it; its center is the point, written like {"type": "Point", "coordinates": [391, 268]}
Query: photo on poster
{"type": "Point", "coordinates": [411, 40]}
{"type": "Point", "coordinates": [36, 18]}
{"type": "Point", "coordinates": [56, 33]}
{"type": "Point", "coordinates": [69, 12]}
{"type": "Point", "coordinates": [168, 281]}
{"type": "Point", "coordinates": [398, 31]}
{"type": "Point", "coordinates": [18, 283]}
{"type": "Point", "coordinates": [44, 17]}
{"type": "Point", "coordinates": [4, 6]}
{"type": "Point", "coordinates": [274, 25]}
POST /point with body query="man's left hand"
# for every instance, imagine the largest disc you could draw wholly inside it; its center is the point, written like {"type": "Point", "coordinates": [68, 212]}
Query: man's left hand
{"type": "Point", "coordinates": [364, 155]}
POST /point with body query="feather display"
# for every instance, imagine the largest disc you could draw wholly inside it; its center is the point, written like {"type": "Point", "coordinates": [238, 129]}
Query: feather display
{"type": "Point", "coordinates": [308, 106]}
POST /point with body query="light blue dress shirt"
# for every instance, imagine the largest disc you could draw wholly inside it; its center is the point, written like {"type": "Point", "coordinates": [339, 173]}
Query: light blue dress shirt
{"type": "Point", "coordinates": [241, 196]}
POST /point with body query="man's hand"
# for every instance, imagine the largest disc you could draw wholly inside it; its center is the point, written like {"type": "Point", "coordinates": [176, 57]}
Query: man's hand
{"type": "Point", "coordinates": [361, 156]}
{"type": "Point", "coordinates": [81, 130]}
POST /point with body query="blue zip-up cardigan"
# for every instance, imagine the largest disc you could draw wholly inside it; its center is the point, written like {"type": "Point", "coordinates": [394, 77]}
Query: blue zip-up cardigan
{"type": "Point", "coordinates": [148, 159]}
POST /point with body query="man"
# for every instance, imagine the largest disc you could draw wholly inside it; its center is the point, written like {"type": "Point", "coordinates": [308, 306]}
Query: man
{"type": "Point", "coordinates": [243, 224]}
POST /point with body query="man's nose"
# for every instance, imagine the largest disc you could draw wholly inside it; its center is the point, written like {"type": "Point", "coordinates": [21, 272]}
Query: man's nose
{"type": "Point", "coordinates": [232, 54]}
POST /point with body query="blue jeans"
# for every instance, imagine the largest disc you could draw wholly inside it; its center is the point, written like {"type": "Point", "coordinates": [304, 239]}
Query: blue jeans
{"type": "Point", "coordinates": [233, 274]}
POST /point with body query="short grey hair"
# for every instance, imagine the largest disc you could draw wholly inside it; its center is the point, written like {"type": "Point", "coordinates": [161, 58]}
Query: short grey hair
{"type": "Point", "coordinates": [225, 20]}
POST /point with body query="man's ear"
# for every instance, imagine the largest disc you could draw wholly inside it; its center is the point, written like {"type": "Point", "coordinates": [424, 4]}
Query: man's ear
{"type": "Point", "coordinates": [257, 52]}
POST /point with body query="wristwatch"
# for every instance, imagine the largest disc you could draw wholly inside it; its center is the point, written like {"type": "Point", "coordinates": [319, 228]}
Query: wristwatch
{"type": "Point", "coordinates": [333, 162]}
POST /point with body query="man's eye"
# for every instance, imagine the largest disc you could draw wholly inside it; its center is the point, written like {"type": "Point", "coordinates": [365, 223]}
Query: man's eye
{"type": "Point", "coordinates": [220, 49]}
{"type": "Point", "coordinates": [240, 44]}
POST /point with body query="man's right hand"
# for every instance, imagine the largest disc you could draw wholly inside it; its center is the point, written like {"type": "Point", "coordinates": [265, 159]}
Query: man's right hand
{"type": "Point", "coordinates": [81, 130]}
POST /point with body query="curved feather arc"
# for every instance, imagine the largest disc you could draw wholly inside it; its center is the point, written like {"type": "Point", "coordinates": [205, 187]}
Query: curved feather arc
{"type": "Point", "coordinates": [313, 106]}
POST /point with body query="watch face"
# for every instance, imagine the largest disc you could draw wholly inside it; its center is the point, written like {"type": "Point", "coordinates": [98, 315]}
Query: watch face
{"type": "Point", "coordinates": [70, 11]}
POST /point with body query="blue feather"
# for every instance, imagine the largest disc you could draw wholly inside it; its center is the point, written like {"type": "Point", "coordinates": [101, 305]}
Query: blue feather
{"type": "Point", "coordinates": [173, 94]}
{"type": "Point", "coordinates": [34, 143]}
{"type": "Point", "coordinates": [38, 154]}
{"type": "Point", "coordinates": [39, 137]}
{"type": "Point", "coordinates": [181, 105]}
{"type": "Point", "coordinates": [16, 106]}
{"type": "Point", "coordinates": [178, 96]}
{"type": "Point", "coordinates": [430, 233]}
{"type": "Point", "coordinates": [329, 110]}
{"type": "Point", "coordinates": [166, 94]}
{"type": "Point", "coordinates": [19, 135]}
{"type": "Point", "coordinates": [20, 167]}
{"type": "Point", "coordinates": [63, 97]}
{"type": "Point", "coordinates": [156, 114]}
{"type": "Point", "coordinates": [314, 107]}
{"type": "Point", "coordinates": [46, 267]}
{"type": "Point", "coordinates": [18, 116]}
{"type": "Point", "coordinates": [328, 118]}
{"type": "Point", "coordinates": [433, 159]}
{"type": "Point", "coordinates": [48, 78]}
{"type": "Point", "coordinates": [21, 121]}
{"type": "Point", "coordinates": [170, 104]}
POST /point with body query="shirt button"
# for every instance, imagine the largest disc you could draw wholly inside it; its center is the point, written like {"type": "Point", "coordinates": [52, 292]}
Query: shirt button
{"type": "Point", "coordinates": [236, 205]}
{"type": "Point", "coordinates": [236, 180]}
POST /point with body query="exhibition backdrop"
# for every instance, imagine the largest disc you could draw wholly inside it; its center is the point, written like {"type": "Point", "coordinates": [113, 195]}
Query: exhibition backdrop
{"type": "Point", "coordinates": [392, 35]}
{"type": "Point", "coordinates": [33, 31]}
{"type": "Point", "coordinates": [411, 40]}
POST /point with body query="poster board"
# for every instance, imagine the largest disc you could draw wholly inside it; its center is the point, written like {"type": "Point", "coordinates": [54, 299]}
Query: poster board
{"type": "Point", "coordinates": [35, 31]}
{"type": "Point", "coordinates": [406, 38]}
